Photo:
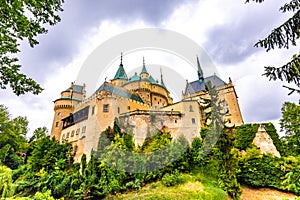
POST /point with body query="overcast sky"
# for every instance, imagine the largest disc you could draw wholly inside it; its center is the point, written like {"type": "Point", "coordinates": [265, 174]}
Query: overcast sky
{"type": "Point", "coordinates": [226, 30]}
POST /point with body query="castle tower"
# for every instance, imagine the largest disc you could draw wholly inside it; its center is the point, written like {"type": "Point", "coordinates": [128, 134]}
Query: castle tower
{"type": "Point", "coordinates": [63, 107]}
{"type": "Point", "coordinates": [120, 77]}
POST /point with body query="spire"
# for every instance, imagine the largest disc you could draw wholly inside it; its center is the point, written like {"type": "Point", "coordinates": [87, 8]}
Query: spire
{"type": "Point", "coordinates": [144, 70]}
{"type": "Point", "coordinates": [121, 74]}
{"type": "Point", "coordinates": [161, 79]}
{"type": "Point", "coordinates": [121, 58]}
{"type": "Point", "coordinates": [200, 72]}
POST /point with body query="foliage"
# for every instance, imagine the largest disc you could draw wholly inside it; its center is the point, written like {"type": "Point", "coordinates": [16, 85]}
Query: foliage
{"type": "Point", "coordinates": [245, 134]}
{"type": "Point", "coordinates": [290, 123]}
{"type": "Point", "coordinates": [22, 20]}
{"type": "Point", "coordinates": [12, 140]}
{"type": "Point", "coordinates": [223, 137]}
{"type": "Point", "coordinates": [39, 133]}
{"type": "Point", "coordinates": [7, 187]}
{"type": "Point", "coordinates": [283, 37]}
{"type": "Point", "coordinates": [196, 150]}
{"type": "Point", "coordinates": [226, 156]}
{"type": "Point", "coordinates": [172, 179]}
{"type": "Point", "coordinates": [268, 171]}
{"type": "Point", "coordinates": [43, 196]}
{"type": "Point", "coordinates": [48, 153]}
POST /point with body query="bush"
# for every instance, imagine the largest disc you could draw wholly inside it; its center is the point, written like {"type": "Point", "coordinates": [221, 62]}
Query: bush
{"type": "Point", "coordinates": [169, 180]}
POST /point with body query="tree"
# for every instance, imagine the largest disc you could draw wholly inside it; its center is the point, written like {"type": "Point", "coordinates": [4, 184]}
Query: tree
{"type": "Point", "coordinates": [12, 140]}
{"type": "Point", "coordinates": [283, 37]}
{"type": "Point", "coordinates": [22, 20]}
{"type": "Point", "coordinates": [290, 123]}
{"type": "Point", "coordinates": [223, 138]}
{"type": "Point", "coordinates": [39, 133]}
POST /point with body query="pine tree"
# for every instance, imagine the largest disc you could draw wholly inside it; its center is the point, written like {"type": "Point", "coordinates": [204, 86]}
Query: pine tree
{"type": "Point", "coordinates": [283, 37]}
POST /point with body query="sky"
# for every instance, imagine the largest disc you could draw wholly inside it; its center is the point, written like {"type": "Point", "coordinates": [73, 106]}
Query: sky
{"type": "Point", "coordinates": [226, 30]}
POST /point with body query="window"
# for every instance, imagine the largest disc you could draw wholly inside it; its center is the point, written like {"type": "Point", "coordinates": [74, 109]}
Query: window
{"type": "Point", "coordinates": [105, 108]}
{"type": "Point", "coordinates": [229, 121]}
{"type": "Point", "coordinates": [78, 131]}
{"type": "Point", "coordinates": [68, 134]}
{"type": "Point", "coordinates": [64, 136]}
{"type": "Point", "coordinates": [59, 114]}
{"type": "Point", "coordinates": [56, 124]}
{"type": "Point", "coordinates": [93, 110]}
{"type": "Point", "coordinates": [175, 121]}
{"type": "Point", "coordinates": [225, 106]}
{"type": "Point", "coordinates": [191, 108]}
{"type": "Point", "coordinates": [154, 98]}
{"type": "Point", "coordinates": [118, 110]}
{"type": "Point", "coordinates": [83, 129]}
{"type": "Point", "coordinates": [128, 107]}
{"type": "Point", "coordinates": [193, 121]}
{"type": "Point", "coordinates": [72, 133]}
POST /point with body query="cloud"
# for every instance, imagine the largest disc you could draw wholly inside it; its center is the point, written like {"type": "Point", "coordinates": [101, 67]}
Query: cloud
{"type": "Point", "coordinates": [227, 31]}
{"type": "Point", "coordinates": [233, 40]}
{"type": "Point", "coordinates": [62, 41]}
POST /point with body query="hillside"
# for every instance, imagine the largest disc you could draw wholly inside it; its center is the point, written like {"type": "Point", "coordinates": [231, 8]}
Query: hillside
{"type": "Point", "coordinates": [197, 186]}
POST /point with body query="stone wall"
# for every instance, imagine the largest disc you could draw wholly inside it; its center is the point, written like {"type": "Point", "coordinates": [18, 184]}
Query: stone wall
{"type": "Point", "coordinates": [264, 142]}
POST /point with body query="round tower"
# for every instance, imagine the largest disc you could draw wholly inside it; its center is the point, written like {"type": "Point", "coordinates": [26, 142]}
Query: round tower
{"type": "Point", "coordinates": [63, 107]}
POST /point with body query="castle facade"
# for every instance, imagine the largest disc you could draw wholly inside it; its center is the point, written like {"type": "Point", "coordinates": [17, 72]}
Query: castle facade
{"type": "Point", "coordinates": [141, 104]}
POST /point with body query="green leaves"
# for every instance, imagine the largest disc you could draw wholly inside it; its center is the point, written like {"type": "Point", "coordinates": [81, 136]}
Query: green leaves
{"type": "Point", "coordinates": [290, 123]}
{"type": "Point", "coordinates": [22, 20]}
{"type": "Point", "coordinates": [284, 36]}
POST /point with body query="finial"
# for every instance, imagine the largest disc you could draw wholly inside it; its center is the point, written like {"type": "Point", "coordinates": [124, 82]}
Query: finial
{"type": "Point", "coordinates": [143, 61]}
{"type": "Point", "coordinates": [121, 58]}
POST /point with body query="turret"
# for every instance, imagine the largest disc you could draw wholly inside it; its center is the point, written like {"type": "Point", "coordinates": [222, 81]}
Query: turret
{"type": "Point", "coordinates": [120, 77]}
{"type": "Point", "coordinates": [144, 73]}
{"type": "Point", "coordinates": [63, 107]}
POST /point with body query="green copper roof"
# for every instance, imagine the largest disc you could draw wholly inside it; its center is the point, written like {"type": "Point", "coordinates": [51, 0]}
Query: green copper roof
{"type": "Point", "coordinates": [121, 74]}
{"type": "Point", "coordinates": [151, 79]}
{"type": "Point", "coordinates": [118, 91]}
{"type": "Point", "coordinates": [135, 77]}
{"type": "Point", "coordinates": [76, 88]}
{"type": "Point", "coordinates": [144, 70]}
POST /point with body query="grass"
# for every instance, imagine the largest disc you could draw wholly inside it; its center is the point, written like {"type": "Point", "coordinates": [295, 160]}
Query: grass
{"type": "Point", "coordinates": [194, 186]}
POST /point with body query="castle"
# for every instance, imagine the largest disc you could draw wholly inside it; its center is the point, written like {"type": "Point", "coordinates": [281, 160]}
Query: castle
{"type": "Point", "coordinates": [141, 103]}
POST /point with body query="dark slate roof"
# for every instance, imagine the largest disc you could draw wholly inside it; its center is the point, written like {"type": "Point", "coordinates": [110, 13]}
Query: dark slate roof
{"type": "Point", "coordinates": [76, 88]}
{"type": "Point", "coordinates": [121, 74]}
{"type": "Point", "coordinates": [118, 91]}
{"type": "Point", "coordinates": [197, 85]}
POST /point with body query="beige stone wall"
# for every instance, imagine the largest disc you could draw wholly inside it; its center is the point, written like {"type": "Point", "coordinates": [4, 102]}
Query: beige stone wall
{"type": "Point", "coordinates": [62, 109]}
{"type": "Point", "coordinates": [191, 121]}
{"type": "Point", "coordinates": [226, 92]}
{"type": "Point", "coordinates": [265, 142]}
